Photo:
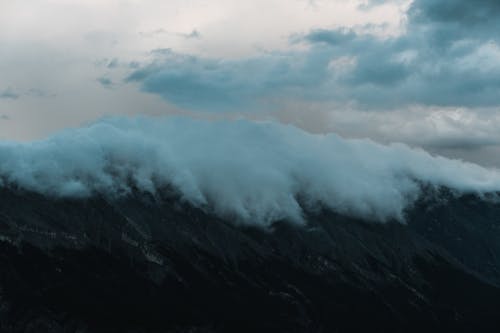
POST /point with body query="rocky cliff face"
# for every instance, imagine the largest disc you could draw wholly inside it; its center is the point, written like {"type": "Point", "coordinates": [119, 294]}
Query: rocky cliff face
{"type": "Point", "coordinates": [155, 264]}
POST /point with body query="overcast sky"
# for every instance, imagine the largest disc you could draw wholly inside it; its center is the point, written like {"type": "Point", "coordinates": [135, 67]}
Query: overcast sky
{"type": "Point", "coordinates": [422, 72]}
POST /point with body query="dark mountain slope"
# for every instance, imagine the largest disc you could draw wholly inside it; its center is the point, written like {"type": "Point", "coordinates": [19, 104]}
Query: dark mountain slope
{"type": "Point", "coordinates": [144, 264]}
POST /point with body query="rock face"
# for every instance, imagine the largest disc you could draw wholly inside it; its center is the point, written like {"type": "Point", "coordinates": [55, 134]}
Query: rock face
{"type": "Point", "coordinates": [144, 264]}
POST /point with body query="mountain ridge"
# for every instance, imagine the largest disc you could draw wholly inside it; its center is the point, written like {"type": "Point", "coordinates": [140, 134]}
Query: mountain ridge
{"type": "Point", "coordinates": [175, 267]}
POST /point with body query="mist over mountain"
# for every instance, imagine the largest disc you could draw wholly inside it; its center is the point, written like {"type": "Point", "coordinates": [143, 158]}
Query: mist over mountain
{"type": "Point", "coordinates": [256, 173]}
{"type": "Point", "coordinates": [181, 225]}
{"type": "Point", "coordinates": [223, 166]}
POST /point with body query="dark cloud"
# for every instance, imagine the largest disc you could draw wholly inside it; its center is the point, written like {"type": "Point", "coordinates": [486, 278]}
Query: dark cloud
{"type": "Point", "coordinates": [224, 85]}
{"type": "Point", "coordinates": [8, 94]}
{"type": "Point", "coordinates": [448, 56]}
{"type": "Point", "coordinates": [113, 63]}
{"type": "Point", "coordinates": [134, 65]}
{"type": "Point", "coordinates": [193, 34]}
{"type": "Point", "coordinates": [153, 33]}
{"type": "Point", "coordinates": [460, 12]}
{"type": "Point", "coordinates": [461, 143]}
{"type": "Point", "coordinates": [333, 37]}
{"type": "Point", "coordinates": [105, 82]}
{"type": "Point", "coordinates": [446, 21]}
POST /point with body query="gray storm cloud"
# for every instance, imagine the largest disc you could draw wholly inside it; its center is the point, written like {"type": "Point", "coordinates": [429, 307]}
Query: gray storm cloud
{"type": "Point", "coordinates": [445, 63]}
{"type": "Point", "coordinates": [448, 55]}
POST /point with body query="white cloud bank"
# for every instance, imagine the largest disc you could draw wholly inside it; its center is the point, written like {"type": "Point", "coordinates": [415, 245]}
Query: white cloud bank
{"type": "Point", "coordinates": [254, 172]}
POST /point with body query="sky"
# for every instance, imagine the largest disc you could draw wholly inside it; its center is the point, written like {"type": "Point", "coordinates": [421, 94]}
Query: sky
{"type": "Point", "coordinates": [422, 72]}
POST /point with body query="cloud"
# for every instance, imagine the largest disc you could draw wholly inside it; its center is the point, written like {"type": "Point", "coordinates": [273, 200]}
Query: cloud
{"type": "Point", "coordinates": [105, 82]}
{"type": "Point", "coordinates": [231, 85]}
{"type": "Point", "coordinates": [8, 94]}
{"type": "Point", "coordinates": [66, 62]}
{"type": "Point", "coordinates": [193, 34]}
{"type": "Point", "coordinates": [332, 37]}
{"type": "Point", "coordinates": [113, 63]}
{"type": "Point", "coordinates": [329, 76]}
{"type": "Point", "coordinates": [39, 93]}
{"type": "Point", "coordinates": [370, 4]}
{"type": "Point", "coordinates": [448, 56]}
{"type": "Point", "coordinates": [246, 171]}
{"type": "Point", "coordinates": [464, 133]}
{"type": "Point", "coordinates": [467, 17]}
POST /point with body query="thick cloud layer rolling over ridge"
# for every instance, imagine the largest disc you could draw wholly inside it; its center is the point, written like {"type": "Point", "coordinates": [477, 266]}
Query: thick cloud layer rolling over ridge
{"type": "Point", "coordinates": [254, 172]}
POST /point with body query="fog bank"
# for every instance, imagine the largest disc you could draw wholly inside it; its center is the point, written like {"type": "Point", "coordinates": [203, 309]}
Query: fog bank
{"type": "Point", "coordinates": [248, 171]}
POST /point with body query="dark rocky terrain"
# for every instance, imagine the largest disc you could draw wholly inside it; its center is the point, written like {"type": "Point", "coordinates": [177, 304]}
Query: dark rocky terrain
{"type": "Point", "coordinates": [144, 264]}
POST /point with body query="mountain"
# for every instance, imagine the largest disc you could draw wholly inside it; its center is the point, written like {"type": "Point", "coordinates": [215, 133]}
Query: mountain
{"type": "Point", "coordinates": [156, 263]}
{"type": "Point", "coordinates": [172, 224]}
